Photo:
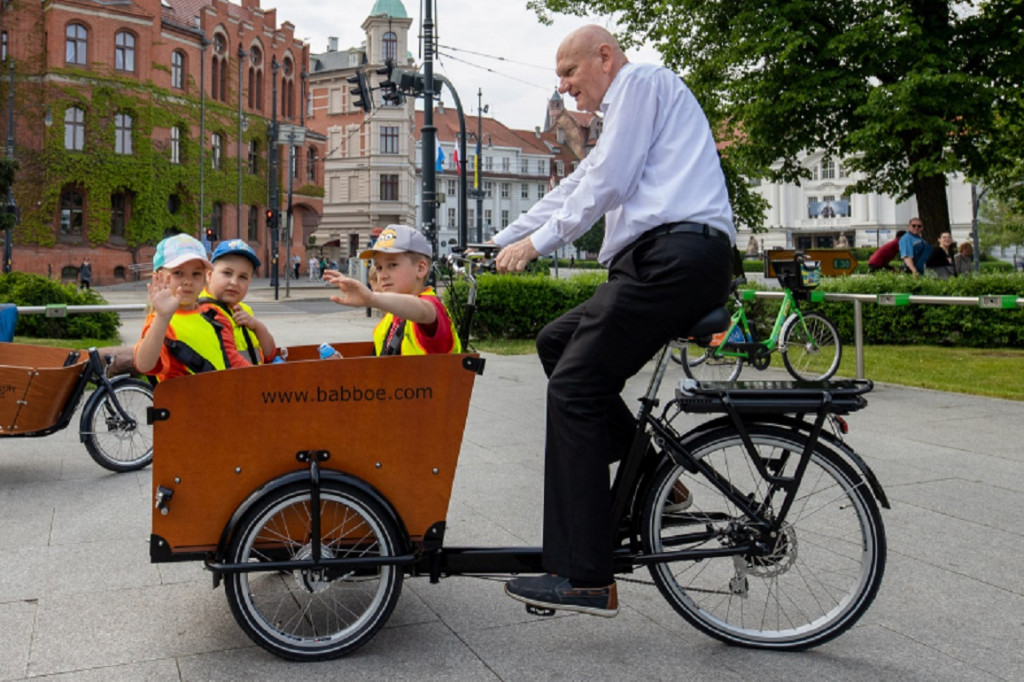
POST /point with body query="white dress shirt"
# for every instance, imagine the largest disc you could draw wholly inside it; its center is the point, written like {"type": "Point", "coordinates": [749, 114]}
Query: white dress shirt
{"type": "Point", "coordinates": [654, 163]}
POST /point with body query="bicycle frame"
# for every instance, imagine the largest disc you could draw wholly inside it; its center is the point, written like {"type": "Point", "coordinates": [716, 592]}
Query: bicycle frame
{"type": "Point", "coordinates": [749, 351]}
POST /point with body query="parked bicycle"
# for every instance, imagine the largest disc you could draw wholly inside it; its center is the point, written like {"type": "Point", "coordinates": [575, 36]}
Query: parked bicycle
{"type": "Point", "coordinates": [313, 516]}
{"type": "Point", "coordinates": [808, 342]}
{"type": "Point", "coordinates": [42, 387]}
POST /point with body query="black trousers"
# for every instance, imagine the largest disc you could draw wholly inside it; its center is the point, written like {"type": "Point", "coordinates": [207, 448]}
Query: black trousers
{"type": "Point", "coordinates": [656, 290]}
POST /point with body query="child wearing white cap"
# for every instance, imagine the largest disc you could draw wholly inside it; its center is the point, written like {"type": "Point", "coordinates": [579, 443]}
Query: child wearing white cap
{"type": "Point", "coordinates": [416, 321]}
{"type": "Point", "coordinates": [181, 335]}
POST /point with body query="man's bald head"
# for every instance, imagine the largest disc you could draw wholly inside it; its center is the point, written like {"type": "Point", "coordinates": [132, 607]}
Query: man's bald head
{"type": "Point", "coordinates": [587, 61]}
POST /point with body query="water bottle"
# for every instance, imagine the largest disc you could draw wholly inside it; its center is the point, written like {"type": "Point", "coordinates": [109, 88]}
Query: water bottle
{"type": "Point", "coordinates": [327, 352]}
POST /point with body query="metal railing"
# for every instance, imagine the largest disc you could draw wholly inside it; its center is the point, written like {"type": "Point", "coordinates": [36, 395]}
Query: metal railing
{"type": "Point", "coordinates": [897, 299]}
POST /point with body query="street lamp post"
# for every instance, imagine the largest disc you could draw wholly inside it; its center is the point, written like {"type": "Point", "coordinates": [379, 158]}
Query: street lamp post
{"type": "Point", "coordinates": [203, 44]}
{"type": "Point", "coordinates": [242, 54]}
{"type": "Point", "coordinates": [975, 203]}
{"type": "Point", "coordinates": [275, 197]}
{"type": "Point", "coordinates": [12, 207]}
{"type": "Point", "coordinates": [478, 189]}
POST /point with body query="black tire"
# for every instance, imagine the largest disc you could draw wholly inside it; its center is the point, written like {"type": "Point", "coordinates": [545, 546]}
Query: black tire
{"type": "Point", "coordinates": [702, 364]}
{"type": "Point", "coordinates": [828, 561]}
{"type": "Point", "coordinates": [114, 443]}
{"type": "Point", "coordinates": [811, 349]}
{"type": "Point", "coordinates": [305, 615]}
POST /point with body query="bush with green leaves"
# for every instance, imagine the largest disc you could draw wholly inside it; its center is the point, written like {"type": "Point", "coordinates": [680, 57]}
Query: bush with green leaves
{"type": "Point", "coordinates": [919, 324]}
{"type": "Point", "coordinates": [24, 289]}
{"type": "Point", "coordinates": [518, 306]}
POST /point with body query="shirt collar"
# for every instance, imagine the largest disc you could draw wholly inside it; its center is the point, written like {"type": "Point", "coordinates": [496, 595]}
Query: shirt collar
{"type": "Point", "coordinates": [614, 88]}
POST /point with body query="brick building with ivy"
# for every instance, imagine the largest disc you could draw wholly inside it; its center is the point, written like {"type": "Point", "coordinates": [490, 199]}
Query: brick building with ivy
{"type": "Point", "coordinates": [133, 120]}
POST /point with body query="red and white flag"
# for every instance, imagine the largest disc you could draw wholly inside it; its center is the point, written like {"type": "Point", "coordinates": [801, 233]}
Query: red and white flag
{"type": "Point", "coordinates": [455, 160]}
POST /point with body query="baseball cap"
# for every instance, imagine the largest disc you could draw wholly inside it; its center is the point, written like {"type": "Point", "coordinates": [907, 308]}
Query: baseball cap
{"type": "Point", "coordinates": [178, 249]}
{"type": "Point", "coordinates": [399, 239]}
{"type": "Point", "coordinates": [238, 247]}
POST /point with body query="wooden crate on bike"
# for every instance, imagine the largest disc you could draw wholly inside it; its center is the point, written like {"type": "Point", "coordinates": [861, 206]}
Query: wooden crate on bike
{"type": "Point", "coordinates": [395, 423]}
{"type": "Point", "coordinates": [36, 383]}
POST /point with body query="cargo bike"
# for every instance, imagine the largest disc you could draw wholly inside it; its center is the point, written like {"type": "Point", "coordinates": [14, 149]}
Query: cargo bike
{"type": "Point", "coordinates": [319, 501]}
{"type": "Point", "coordinates": [42, 387]}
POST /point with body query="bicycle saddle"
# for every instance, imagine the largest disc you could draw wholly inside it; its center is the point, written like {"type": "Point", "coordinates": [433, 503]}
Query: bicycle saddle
{"type": "Point", "coordinates": [716, 321]}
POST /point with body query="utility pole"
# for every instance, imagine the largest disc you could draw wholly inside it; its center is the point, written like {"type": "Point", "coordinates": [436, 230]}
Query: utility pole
{"type": "Point", "coordinates": [275, 196]}
{"type": "Point", "coordinates": [428, 196]}
{"type": "Point", "coordinates": [12, 207]}
{"type": "Point", "coordinates": [478, 187]}
{"type": "Point", "coordinates": [242, 54]}
{"type": "Point", "coordinates": [203, 44]}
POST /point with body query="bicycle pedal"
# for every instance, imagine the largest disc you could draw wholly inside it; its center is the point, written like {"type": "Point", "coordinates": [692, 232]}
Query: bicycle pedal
{"type": "Point", "coordinates": [539, 611]}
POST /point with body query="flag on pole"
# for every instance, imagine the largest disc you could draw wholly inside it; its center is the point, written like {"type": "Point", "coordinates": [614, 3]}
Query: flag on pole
{"type": "Point", "coordinates": [455, 160]}
{"type": "Point", "coordinates": [440, 157]}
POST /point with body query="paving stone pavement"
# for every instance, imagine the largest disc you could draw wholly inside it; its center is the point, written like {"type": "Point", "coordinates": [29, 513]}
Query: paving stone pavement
{"type": "Point", "coordinates": [79, 599]}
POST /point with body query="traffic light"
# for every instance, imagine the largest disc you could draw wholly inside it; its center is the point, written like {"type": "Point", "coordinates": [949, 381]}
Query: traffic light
{"type": "Point", "coordinates": [361, 91]}
{"type": "Point", "coordinates": [271, 219]}
{"type": "Point", "coordinates": [209, 234]}
{"type": "Point", "coordinates": [389, 93]}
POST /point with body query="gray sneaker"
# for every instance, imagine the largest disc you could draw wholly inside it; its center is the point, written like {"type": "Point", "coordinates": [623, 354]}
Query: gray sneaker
{"type": "Point", "coordinates": [555, 592]}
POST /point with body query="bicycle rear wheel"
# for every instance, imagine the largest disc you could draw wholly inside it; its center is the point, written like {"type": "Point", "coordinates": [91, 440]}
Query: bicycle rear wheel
{"type": "Point", "coordinates": [702, 364]}
{"type": "Point", "coordinates": [113, 442]}
{"type": "Point", "coordinates": [811, 348]}
{"type": "Point", "coordinates": [822, 570]}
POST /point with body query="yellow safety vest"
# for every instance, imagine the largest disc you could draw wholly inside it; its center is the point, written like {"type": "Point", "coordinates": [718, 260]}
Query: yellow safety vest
{"type": "Point", "coordinates": [204, 350]}
{"type": "Point", "coordinates": [245, 341]}
{"type": "Point", "coordinates": [410, 344]}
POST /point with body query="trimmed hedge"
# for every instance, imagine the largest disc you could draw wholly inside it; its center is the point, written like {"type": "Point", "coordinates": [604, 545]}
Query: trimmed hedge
{"type": "Point", "coordinates": [24, 289]}
{"type": "Point", "coordinates": [919, 324]}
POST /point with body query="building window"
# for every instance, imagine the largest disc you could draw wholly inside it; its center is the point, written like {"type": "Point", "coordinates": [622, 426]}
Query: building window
{"type": "Point", "coordinates": [504, 218]}
{"type": "Point", "coordinates": [541, 167]}
{"type": "Point", "coordinates": [389, 187]}
{"type": "Point", "coordinates": [254, 157]}
{"type": "Point", "coordinates": [3, 46]}
{"type": "Point", "coordinates": [487, 217]}
{"type": "Point", "coordinates": [216, 221]}
{"type": "Point", "coordinates": [488, 163]}
{"type": "Point", "coordinates": [123, 134]}
{"type": "Point", "coordinates": [541, 189]}
{"type": "Point", "coordinates": [178, 69]}
{"type": "Point", "coordinates": [451, 217]}
{"type": "Point", "coordinates": [311, 163]}
{"type": "Point", "coordinates": [254, 224]}
{"type": "Point", "coordinates": [175, 144]}
{"type": "Point", "coordinates": [389, 140]}
{"type": "Point", "coordinates": [828, 170]}
{"type": "Point", "coordinates": [524, 166]}
{"type": "Point", "coordinates": [119, 203]}
{"type": "Point", "coordinates": [124, 51]}
{"type": "Point", "coordinates": [288, 88]}
{"type": "Point", "coordinates": [452, 187]}
{"type": "Point", "coordinates": [76, 42]}
{"type": "Point", "coordinates": [812, 207]}
{"type": "Point", "coordinates": [559, 168]}
{"type": "Point", "coordinates": [216, 148]}
{"type": "Point", "coordinates": [389, 46]}
{"type": "Point", "coordinates": [489, 190]}
{"type": "Point", "coordinates": [524, 191]}
{"type": "Point", "coordinates": [293, 152]}
{"type": "Point", "coordinates": [219, 69]}
{"type": "Point", "coordinates": [506, 190]}
{"type": "Point", "coordinates": [506, 165]}
{"type": "Point", "coordinates": [256, 78]}
{"type": "Point", "coordinates": [72, 202]}
{"type": "Point", "coordinates": [74, 129]}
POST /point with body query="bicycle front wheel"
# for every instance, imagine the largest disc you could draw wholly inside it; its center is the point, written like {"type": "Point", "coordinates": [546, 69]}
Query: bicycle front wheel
{"type": "Point", "coordinates": [113, 442]}
{"type": "Point", "coordinates": [702, 364]}
{"type": "Point", "coordinates": [314, 614]}
{"type": "Point", "coordinates": [810, 347]}
{"type": "Point", "coordinates": [820, 572]}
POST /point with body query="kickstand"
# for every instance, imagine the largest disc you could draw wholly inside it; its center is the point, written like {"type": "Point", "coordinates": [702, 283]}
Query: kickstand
{"type": "Point", "coordinates": [539, 610]}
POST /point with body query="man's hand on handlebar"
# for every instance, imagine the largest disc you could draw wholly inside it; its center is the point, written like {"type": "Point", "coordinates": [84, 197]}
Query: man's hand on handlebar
{"type": "Point", "coordinates": [515, 257]}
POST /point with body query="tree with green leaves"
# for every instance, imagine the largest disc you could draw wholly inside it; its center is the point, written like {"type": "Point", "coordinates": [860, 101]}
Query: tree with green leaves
{"type": "Point", "coordinates": [1000, 225]}
{"type": "Point", "coordinates": [902, 91]}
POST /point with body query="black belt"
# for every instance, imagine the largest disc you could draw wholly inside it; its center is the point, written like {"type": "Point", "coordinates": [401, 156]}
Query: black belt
{"type": "Point", "coordinates": [685, 227]}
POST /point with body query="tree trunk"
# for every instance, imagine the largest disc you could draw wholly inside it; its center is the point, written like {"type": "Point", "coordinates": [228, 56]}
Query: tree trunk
{"type": "Point", "coordinates": [932, 206]}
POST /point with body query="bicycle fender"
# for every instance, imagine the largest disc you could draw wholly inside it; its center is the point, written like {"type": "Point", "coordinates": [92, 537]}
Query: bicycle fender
{"type": "Point", "coordinates": [96, 397]}
{"type": "Point", "coordinates": [302, 476]}
{"type": "Point", "coordinates": [799, 425]}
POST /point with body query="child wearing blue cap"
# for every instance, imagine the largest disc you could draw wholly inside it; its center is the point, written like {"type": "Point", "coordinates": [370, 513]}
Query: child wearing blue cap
{"type": "Point", "coordinates": [181, 335]}
{"type": "Point", "coordinates": [227, 283]}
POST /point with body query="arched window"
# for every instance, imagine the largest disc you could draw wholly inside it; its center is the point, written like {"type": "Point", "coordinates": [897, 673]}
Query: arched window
{"type": "Point", "coordinates": [219, 68]}
{"type": "Point", "coordinates": [124, 51]}
{"type": "Point", "coordinates": [311, 163]}
{"type": "Point", "coordinates": [256, 78]}
{"type": "Point", "coordinates": [76, 43]}
{"type": "Point", "coordinates": [389, 48]}
{"type": "Point", "coordinates": [175, 144]}
{"type": "Point", "coordinates": [288, 88]}
{"type": "Point", "coordinates": [216, 148]}
{"type": "Point", "coordinates": [178, 69]}
{"type": "Point", "coordinates": [74, 129]}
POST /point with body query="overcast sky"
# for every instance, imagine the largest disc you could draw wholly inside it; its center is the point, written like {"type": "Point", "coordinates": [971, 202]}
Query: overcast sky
{"type": "Point", "coordinates": [472, 33]}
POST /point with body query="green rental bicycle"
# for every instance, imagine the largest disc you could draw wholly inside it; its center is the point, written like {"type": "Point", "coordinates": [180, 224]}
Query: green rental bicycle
{"type": "Point", "coordinates": [808, 342]}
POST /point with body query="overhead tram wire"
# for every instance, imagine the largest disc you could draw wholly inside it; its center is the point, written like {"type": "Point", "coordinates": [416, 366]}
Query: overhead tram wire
{"type": "Point", "coordinates": [494, 71]}
{"type": "Point", "coordinates": [488, 56]}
